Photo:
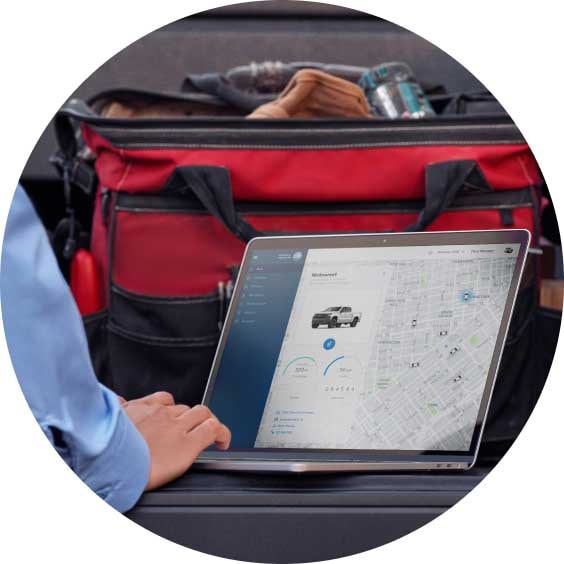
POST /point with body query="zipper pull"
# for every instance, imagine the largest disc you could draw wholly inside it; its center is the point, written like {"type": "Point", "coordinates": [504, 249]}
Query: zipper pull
{"type": "Point", "coordinates": [221, 298]}
{"type": "Point", "coordinates": [105, 205]}
{"type": "Point", "coordinates": [229, 290]}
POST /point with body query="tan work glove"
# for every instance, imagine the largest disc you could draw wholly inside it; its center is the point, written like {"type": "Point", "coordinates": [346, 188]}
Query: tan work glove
{"type": "Point", "coordinates": [316, 94]}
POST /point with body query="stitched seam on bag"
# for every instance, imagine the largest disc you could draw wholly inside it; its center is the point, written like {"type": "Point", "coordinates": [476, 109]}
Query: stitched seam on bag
{"type": "Point", "coordinates": [186, 342]}
{"type": "Point", "coordinates": [145, 298]}
{"type": "Point", "coordinates": [525, 171]}
{"type": "Point", "coordinates": [93, 317]}
{"type": "Point", "coordinates": [126, 171]}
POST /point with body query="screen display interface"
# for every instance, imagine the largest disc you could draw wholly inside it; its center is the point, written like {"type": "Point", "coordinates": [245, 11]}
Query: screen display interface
{"type": "Point", "coordinates": [363, 348]}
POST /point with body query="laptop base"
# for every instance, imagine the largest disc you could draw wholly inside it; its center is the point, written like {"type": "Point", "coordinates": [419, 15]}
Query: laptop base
{"type": "Point", "coordinates": [319, 467]}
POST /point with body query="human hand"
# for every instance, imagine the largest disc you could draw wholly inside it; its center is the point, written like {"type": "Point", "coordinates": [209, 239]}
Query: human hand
{"type": "Point", "coordinates": [176, 434]}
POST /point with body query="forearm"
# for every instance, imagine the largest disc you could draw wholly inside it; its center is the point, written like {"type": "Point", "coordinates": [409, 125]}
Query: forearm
{"type": "Point", "coordinates": [50, 355]}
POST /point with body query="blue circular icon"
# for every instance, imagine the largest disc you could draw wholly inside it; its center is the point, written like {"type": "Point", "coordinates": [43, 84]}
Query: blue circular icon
{"type": "Point", "coordinates": [466, 296]}
{"type": "Point", "coordinates": [329, 344]}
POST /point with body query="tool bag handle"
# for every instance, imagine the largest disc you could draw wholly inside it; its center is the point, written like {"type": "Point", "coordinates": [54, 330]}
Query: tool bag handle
{"type": "Point", "coordinates": [444, 181]}
{"type": "Point", "coordinates": [211, 185]}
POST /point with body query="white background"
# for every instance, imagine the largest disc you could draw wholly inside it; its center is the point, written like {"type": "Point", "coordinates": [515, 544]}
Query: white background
{"type": "Point", "coordinates": [347, 289]}
{"type": "Point", "coordinates": [48, 48]}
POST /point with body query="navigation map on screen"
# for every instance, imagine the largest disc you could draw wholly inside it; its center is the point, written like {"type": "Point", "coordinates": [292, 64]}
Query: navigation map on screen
{"type": "Point", "coordinates": [377, 348]}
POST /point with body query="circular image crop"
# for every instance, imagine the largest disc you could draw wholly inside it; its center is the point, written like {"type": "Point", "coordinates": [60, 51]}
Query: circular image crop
{"type": "Point", "coordinates": [243, 363]}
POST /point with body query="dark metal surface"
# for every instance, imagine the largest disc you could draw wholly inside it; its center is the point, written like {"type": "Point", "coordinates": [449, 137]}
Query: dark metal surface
{"type": "Point", "coordinates": [289, 518]}
{"type": "Point", "coordinates": [307, 534]}
{"type": "Point", "coordinates": [244, 489]}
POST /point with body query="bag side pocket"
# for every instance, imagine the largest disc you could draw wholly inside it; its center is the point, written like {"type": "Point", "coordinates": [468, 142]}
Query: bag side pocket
{"type": "Point", "coordinates": [162, 343]}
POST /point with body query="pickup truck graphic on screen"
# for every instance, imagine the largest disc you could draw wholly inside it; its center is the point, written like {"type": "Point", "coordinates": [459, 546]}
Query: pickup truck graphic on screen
{"type": "Point", "coordinates": [335, 317]}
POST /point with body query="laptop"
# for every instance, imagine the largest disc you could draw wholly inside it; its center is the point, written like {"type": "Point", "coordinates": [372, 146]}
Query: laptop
{"type": "Point", "coordinates": [363, 352]}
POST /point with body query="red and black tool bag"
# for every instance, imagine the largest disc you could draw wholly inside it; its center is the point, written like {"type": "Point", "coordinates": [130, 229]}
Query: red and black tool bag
{"type": "Point", "coordinates": [177, 199]}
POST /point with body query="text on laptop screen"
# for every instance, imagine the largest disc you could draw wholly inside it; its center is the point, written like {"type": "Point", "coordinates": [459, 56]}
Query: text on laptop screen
{"type": "Point", "coordinates": [363, 348]}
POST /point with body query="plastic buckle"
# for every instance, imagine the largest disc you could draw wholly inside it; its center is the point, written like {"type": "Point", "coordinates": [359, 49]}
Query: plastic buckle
{"type": "Point", "coordinates": [83, 176]}
{"type": "Point", "coordinates": [80, 173]}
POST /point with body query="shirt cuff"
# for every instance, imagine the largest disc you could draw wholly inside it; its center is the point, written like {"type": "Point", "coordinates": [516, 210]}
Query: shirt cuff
{"type": "Point", "coordinates": [120, 473]}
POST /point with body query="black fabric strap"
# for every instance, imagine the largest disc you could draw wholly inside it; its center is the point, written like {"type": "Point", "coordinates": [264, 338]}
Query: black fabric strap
{"type": "Point", "coordinates": [78, 172]}
{"type": "Point", "coordinates": [217, 85]}
{"type": "Point", "coordinates": [211, 185]}
{"type": "Point", "coordinates": [64, 129]}
{"type": "Point", "coordinates": [66, 160]}
{"type": "Point", "coordinates": [443, 182]}
{"type": "Point", "coordinates": [506, 217]}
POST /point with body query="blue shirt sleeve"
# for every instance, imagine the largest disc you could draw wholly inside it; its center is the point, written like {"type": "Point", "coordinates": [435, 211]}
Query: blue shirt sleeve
{"type": "Point", "coordinates": [49, 351]}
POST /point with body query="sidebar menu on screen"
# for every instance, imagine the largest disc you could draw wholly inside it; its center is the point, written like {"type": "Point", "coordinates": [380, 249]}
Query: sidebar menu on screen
{"type": "Point", "coordinates": [266, 297]}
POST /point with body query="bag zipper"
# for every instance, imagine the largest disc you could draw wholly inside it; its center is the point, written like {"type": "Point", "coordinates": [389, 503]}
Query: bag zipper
{"type": "Point", "coordinates": [315, 134]}
{"type": "Point", "coordinates": [158, 203]}
{"type": "Point", "coordinates": [192, 135]}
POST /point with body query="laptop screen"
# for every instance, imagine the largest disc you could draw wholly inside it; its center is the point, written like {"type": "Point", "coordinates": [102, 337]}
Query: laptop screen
{"type": "Point", "coordinates": [385, 348]}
